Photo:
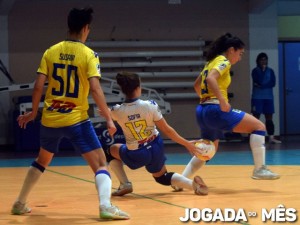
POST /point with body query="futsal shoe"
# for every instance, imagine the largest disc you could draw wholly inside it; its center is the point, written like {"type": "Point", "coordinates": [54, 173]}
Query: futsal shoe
{"type": "Point", "coordinates": [199, 186]}
{"type": "Point", "coordinates": [20, 208]}
{"type": "Point", "coordinates": [123, 189]}
{"type": "Point", "coordinates": [112, 213]}
{"type": "Point", "coordinates": [263, 173]}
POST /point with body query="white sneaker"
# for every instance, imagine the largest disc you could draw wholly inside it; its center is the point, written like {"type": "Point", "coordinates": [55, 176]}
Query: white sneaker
{"type": "Point", "coordinates": [199, 186]}
{"type": "Point", "coordinates": [20, 208]}
{"type": "Point", "coordinates": [263, 173]}
{"type": "Point", "coordinates": [112, 213]}
{"type": "Point", "coordinates": [123, 189]}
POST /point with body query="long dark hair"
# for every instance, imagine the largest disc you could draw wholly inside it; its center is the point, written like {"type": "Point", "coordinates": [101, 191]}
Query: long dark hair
{"type": "Point", "coordinates": [223, 43]}
{"type": "Point", "coordinates": [128, 82]}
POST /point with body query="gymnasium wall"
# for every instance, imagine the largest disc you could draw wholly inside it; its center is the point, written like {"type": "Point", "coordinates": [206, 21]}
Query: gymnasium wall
{"type": "Point", "coordinates": [35, 25]}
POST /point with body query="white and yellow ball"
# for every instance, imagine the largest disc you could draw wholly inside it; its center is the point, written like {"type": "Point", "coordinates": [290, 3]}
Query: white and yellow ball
{"type": "Point", "coordinates": [205, 149]}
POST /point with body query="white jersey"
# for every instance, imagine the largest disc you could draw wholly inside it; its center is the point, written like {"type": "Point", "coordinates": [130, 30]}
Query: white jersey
{"type": "Point", "coordinates": [137, 119]}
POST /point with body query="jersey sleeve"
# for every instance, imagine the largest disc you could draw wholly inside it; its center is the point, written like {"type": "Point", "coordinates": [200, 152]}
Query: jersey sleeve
{"type": "Point", "coordinates": [43, 68]}
{"type": "Point", "coordinates": [154, 107]}
{"type": "Point", "coordinates": [93, 65]}
{"type": "Point", "coordinates": [222, 65]}
{"type": "Point", "coordinates": [113, 112]}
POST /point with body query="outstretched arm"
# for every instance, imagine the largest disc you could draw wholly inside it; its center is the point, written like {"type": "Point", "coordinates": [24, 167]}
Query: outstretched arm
{"type": "Point", "coordinates": [98, 96]}
{"type": "Point", "coordinates": [169, 131]}
{"type": "Point", "coordinates": [197, 84]}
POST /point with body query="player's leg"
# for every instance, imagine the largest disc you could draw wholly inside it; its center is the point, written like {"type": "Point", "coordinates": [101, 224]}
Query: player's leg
{"type": "Point", "coordinates": [116, 164]}
{"type": "Point", "coordinates": [256, 107]}
{"type": "Point", "coordinates": [256, 129]}
{"type": "Point", "coordinates": [156, 166]}
{"type": "Point", "coordinates": [202, 115]}
{"type": "Point", "coordinates": [49, 140]}
{"type": "Point", "coordinates": [191, 168]}
{"type": "Point", "coordinates": [34, 173]}
{"type": "Point", "coordinates": [97, 161]}
{"type": "Point", "coordinates": [195, 164]}
{"type": "Point", "coordinates": [270, 129]}
{"type": "Point", "coordinates": [91, 150]}
{"type": "Point", "coordinates": [269, 124]}
{"type": "Point", "coordinates": [268, 112]}
{"type": "Point", "coordinates": [170, 178]}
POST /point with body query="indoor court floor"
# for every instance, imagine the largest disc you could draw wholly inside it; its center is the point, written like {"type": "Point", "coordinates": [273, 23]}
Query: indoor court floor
{"type": "Point", "coordinates": [66, 193]}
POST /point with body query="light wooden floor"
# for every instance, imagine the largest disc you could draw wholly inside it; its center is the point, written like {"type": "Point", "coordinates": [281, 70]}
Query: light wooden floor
{"type": "Point", "coordinates": [66, 195]}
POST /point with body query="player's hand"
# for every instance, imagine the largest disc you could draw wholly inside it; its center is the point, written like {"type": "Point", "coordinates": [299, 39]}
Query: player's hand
{"type": "Point", "coordinates": [225, 107]}
{"type": "Point", "coordinates": [111, 128]}
{"type": "Point", "coordinates": [24, 119]}
{"type": "Point", "coordinates": [191, 147]}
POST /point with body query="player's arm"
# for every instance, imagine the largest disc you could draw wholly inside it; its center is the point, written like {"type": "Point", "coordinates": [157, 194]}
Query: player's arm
{"type": "Point", "coordinates": [255, 78]}
{"type": "Point", "coordinates": [99, 98]}
{"type": "Point", "coordinates": [197, 85]}
{"type": "Point", "coordinates": [271, 82]}
{"type": "Point", "coordinates": [169, 131]}
{"type": "Point", "coordinates": [211, 80]}
{"type": "Point", "coordinates": [36, 98]}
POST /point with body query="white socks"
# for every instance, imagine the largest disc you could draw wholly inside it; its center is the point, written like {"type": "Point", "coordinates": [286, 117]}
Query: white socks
{"type": "Point", "coordinates": [103, 185]}
{"type": "Point", "coordinates": [181, 181]}
{"type": "Point", "coordinates": [117, 166]}
{"type": "Point", "coordinates": [257, 144]}
{"type": "Point", "coordinates": [194, 165]}
{"type": "Point", "coordinates": [31, 179]}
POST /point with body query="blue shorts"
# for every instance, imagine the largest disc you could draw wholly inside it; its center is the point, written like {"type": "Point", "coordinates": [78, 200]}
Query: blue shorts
{"type": "Point", "coordinates": [151, 156]}
{"type": "Point", "coordinates": [262, 106]}
{"type": "Point", "coordinates": [212, 121]}
{"type": "Point", "coordinates": [82, 135]}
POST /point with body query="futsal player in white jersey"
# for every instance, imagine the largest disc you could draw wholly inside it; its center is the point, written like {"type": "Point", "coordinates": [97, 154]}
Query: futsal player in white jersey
{"type": "Point", "coordinates": [144, 147]}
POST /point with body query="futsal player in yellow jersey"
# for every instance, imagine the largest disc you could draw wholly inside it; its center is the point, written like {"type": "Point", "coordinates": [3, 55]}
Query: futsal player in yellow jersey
{"type": "Point", "coordinates": [222, 65]}
{"type": "Point", "coordinates": [70, 64]}
{"type": "Point", "coordinates": [73, 71]}
{"type": "Point", "coordinates": [215, 114]}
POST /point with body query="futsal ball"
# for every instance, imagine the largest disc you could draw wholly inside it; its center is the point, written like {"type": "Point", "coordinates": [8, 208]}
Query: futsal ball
{"type": "Point", "coordinates": [205, 149]}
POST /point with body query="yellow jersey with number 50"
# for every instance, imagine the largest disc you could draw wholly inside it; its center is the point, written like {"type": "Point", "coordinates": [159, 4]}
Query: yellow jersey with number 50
{"type": "Point", "coordinates": [68, 65]}
{"type": "Point", "coordinates": [222, 65]}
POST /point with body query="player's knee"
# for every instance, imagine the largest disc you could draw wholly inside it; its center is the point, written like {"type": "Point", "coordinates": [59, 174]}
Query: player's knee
{"type": "Point", "coordinates": [109, 157]}
{"type": "Point", "coordinates": [260, 126]}
{"type": "Point", "coordinates": [165, 179]}
{"type": "Point", "coordinates": [257, 138]}
{"type": "Point", "coordinates": [38, 166]}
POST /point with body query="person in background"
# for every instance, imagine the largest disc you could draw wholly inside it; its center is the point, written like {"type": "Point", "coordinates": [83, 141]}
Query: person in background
{"type": "Point", "coordinates": [72, 71]}
{"type": "Point", "coordinates": [262, 99]}
{"type": "Point", "coordinates": [139, 120]}
{"type": "Point", "coordinates": [214, 113]}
